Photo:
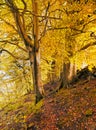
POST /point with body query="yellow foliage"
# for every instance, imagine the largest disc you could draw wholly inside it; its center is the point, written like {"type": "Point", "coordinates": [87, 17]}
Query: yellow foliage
{"type": "Point", "coordinates": [64, 28]}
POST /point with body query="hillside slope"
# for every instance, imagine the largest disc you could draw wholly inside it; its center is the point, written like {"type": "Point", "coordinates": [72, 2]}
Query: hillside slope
{"type": "Point", "coordinates": [69, 109]}
{"type": "Point", "coordinates": [73, 108]}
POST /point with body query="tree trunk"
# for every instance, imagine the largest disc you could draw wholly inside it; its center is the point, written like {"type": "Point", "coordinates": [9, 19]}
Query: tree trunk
{"type": "Point", "coordinates": [37, 85]}
{"type": "Point", "coordinates": [72, 71]}
{"type": "Point", "coordinates": [35, 56]}
{"type": "Point", "coordinates": [64, 75]}
{"type": "Point", "coordinates": [33, 49]}
{"type": "Point", "coordinates": [67, 74]}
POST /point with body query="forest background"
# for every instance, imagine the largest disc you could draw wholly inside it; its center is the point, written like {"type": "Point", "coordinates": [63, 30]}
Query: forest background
{"type": "Point", "coordinates": [44, 41]}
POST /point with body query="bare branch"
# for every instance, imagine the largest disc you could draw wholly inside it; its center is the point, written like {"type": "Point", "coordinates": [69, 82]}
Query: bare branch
{"type": "Point", "coordinates": [25, 6]}
{"type": "Point", "coordinates": [19, 22]}
{"type": "Point", "coordinates": [16, 44]}
{"type": "Point", "coordinates": [11, 5]}
{"type": "Point", "coordinates": [49, 17]}
{"type": "Point", "coordinates": [88, 23]}
{"type": "Point", "coordinates": [24, 10]}
{"type": "Point", "coordinates": [81, 30]}
{"type": "Point", "coordinates": [87, 46]}
{"type": "Point", "coordinates": [44, 31]}
{"type": "Point", "coordinates": [58, 28]}
{"type": "Point", "coordinates": [8, 23]}
{"type": "Point", "coordinates": [11, 54]}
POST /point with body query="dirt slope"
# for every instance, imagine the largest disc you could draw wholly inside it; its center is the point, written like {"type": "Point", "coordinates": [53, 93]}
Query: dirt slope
{"type": "Point", "coordinates": [69, 109]}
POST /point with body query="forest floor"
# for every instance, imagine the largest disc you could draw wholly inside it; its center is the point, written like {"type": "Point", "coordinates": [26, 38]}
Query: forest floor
{"type": "Point", "coordinates": [72, 108]}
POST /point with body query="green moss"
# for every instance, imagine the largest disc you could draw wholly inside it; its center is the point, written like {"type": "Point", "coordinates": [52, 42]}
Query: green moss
{"type": "Point", "coordinates": [88, 112]}
{"type": "Point", "coordinates": [37, 107]}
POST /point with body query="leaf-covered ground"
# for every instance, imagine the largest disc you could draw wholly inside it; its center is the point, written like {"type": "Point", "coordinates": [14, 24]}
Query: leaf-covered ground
{"type": "Point", "coordinates": [69, 109]}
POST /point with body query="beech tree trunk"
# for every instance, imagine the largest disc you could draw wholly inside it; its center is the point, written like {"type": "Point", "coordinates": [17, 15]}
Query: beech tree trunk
{"type": "Point", "coordinates": [33, 49]}
{"type": "Point", "coordinates": [37, 84]}
{"type": "Point", "coordinates": [72, 71]}
{"type": "Point", "coordinates": [35, 56]}
{"type": "Point", "coordinates": [67, 74]}
{"type": "Point", "coordinates": [64, 75]}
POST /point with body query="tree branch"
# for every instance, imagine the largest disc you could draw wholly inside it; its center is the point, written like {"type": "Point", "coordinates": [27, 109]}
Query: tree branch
{"type": "Point", "coordinates": [25, 6]}
{"type": "Point", "coordinates": [44, 31]}
{"type": "Point", "coordinates": [87, 46]}
{"type": "Point", "coordinates": [2, 49]}
{"type": "Point", "coordinates": [6, 41]}
{"type": "Point", "coordinates": [57, 28]}
{"type": "Point", "coordinates": [20, 25]}
{"type": "Point", "coordinates": [84, 25]}
{"type": "Point", "coordinates": [9, 53]}
{"type": "Point", "coordinates": [24, 10]}
{"type": "Point", "coordinates": [8, 23]}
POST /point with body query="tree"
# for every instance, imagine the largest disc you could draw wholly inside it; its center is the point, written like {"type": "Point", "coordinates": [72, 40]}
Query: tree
{"type": "Point", "coordinates": [32, 48]}
{"type": "Point", "coordinates": [52, 29]}
{"type": "Point", "coordinates": [28, 31]}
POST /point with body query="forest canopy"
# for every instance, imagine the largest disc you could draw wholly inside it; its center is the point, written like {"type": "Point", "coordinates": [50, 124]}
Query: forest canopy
{"type": "Point", "coordinates": [41, 39]}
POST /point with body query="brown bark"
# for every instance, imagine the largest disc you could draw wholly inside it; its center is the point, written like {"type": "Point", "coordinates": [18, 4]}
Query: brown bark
{"type": "Point", "coordinates": [72, 71]}
{"type": "Point", "coordinates": [64, 75]}
{"type": "Point", "coordinates": [37, 82]}
{"type": "Point", "coordinates": [33, 49]}
{"type": "Point", "coordinates": [36, 79]}
{"type": "Point", "coordinates": [67, 74]}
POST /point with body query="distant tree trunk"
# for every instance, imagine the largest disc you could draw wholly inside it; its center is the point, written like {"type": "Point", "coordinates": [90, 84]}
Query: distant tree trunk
{"type": "Point", "coordinates": [64, 75]}
{"type": "Point", "coordinates": [67, 74]}
{"type": "Point", "coordinates": [72, 71]}
{"type": "Point", "coordinates": [52, 74]}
